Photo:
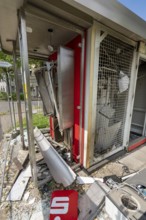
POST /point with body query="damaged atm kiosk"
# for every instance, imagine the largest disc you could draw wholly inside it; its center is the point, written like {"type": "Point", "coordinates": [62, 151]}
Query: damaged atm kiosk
{"type": "Point", "coordinates": [94, 75]}
{"type": "Point", "coordinates": [56, 86]}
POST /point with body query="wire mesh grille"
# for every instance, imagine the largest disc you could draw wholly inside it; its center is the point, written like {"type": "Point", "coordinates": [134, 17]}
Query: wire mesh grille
{"type": "Point", "coordinates": [115, 63]}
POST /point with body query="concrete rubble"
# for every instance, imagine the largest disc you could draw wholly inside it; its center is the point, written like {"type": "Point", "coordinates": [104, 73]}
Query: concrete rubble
{"type": "Point", "coordinates": [35, 203]}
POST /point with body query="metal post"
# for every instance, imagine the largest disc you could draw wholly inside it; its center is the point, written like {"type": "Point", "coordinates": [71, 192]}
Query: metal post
{"type": "Point", "coordinates": [93, 47]}
{"type": "Point", "coordinates": [12, 102]}
{"type": "Point", "coordinates": [27, 93]}
{"type": "Point", "coordinates": [131, 96]}
{"type": "Point", "coordinates": [81, 95]}
{"type": "Point", "coordinates": [9, 98]}
{"type": "Point", "coordinates": [18, 95]}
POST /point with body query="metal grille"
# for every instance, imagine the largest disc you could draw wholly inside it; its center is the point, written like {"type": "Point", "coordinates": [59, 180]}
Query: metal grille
{"type": "Point", "coordinates": [115, 62]}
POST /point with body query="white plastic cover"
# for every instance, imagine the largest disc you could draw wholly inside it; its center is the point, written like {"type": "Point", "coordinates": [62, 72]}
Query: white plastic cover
{"type": "Point", "coordinates": [59, 169]}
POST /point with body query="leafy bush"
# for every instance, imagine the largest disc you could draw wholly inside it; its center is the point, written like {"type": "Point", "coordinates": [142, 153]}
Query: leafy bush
{"type": "Point", "coordinates": [14, 96]}
{"type": "Point", "coordinates": [22, 96]}
{"type": "Point", "coordinates": [3, 96]}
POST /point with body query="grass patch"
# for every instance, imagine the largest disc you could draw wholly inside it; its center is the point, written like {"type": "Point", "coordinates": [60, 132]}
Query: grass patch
{"type": "Point", "coordinates": [39, 120]}
{"type": "Point", "coordinates": [3, 113]}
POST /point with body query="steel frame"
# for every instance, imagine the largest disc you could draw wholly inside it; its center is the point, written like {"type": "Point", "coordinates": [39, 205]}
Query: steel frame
{"type": "Point", "coordinates": [10, 100]}
{"type": "Point", "coordinates": [18, 94]}
{"type": "Point", "coordinates": [44, 16]}
{"type": "Point", "coordinates": [81, 97]}
{"type": "Point", "coordinates": [136, 59]}
{"type": "Point", "coordinates": [33, 11]}
{"type": "Point", "coordinates": [94, 40]}
{"type": "Point", "coordinates": [143, 57]}
{"type": "Point", "coordinates": [140, 56]}
{"type": "Point", "coordinates": [36, 12]}
{"type": "Point", "coordinates": [131, 96]}
{"type": "Point", "coordinates": [26, 88]}
{"type": "Point", "coordinates": [93, 45]}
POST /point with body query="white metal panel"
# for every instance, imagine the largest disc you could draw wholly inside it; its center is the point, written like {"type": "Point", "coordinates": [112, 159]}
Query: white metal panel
{"type": "Point", "coordinates": [9, 22]}
{"type": "Point", "coordinates": [113, 211]}
{"type": "Point", "coordinates": [93, 43]}
{"type": "Point", "coordinates": [19, 186]}
{"type": "Point", "coordinates": [66, 87]}
{"type": "Point", "coordinates": [43, 84]}
{"type": "Point", "coordinates": [114, 15]}
{"type": "Point", "coordinates": [131, 94]}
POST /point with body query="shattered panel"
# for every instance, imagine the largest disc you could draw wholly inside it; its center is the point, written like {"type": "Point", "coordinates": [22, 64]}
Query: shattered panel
{"type": "Point", "coordinates": [115, 63]}
{"type": "Point", "coordinates": [44, 89]}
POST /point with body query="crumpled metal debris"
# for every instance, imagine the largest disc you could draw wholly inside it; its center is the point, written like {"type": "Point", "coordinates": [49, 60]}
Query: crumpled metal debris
{"type": "Point", "coordinates": [59, 169]}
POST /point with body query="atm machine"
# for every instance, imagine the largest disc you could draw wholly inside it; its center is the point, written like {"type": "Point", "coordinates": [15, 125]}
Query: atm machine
{"type": "Point", "coordinates": [56, 87]}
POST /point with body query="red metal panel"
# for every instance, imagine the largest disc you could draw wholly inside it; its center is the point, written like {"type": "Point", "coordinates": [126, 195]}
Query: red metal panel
{"type": "Point", "coordinates": [136, 144]}
{"type": "Point", "coordinates": [75, 45]}
{"type": "Point", "coordinates": [83, 110]}
{"type": "Point", "coordinates": [52, 127]}
{"type": "Point", "coordinates": [64, 205]}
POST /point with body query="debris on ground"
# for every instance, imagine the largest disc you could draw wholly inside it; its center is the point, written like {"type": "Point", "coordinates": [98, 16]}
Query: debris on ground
{"type": "Point", "coordinates": [61, 172]}
{"type": "Point", "coordinates": [21, 200]}
{"type": "Point", "coordinates": [91, 202]}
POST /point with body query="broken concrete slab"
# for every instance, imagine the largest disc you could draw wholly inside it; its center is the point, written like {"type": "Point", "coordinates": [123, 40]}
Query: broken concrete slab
{"type": "Point", "coordinates": [41, 215]}
{"type": "Point", "coordinates": [134, 164]}
{"type": "Point", "coordinates": [21, 157]}
{"type": "Point", "coordinates": [87, 180]}
{"type": "Point", "coordinates": [31, 201]}
{"type": "Point", "coordinates": [19, 186]}
{"type": "Point", "coordinates": [26, 196]}
{"type": "Point", "coordinates": [17, 163]}
{"type": "Point", "coordinates": [91, 202]}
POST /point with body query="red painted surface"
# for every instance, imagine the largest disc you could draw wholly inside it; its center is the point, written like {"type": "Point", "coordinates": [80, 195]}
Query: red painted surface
{"type": "Point", "coordinates": [52, 128]}
{"type": "Point", "coordinates": [137, 144]}
{"type": "Point", "coordinates": [74, 44]}
{"type": "Point", "coordinates": [83, 101]}
{"type": "Point", "coordinates": [64, 205]}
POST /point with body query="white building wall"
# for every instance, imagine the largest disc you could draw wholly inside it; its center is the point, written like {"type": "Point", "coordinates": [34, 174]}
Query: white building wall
{"type": "Point", "coordinates": [3, 86]}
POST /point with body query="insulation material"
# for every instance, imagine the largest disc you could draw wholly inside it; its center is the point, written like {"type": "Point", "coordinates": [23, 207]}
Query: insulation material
{"type": "Point", "coordinates": [107, 111]}
{"type": "Point", "coordinates": [102, 121]}
{"type": "Point", "coordinates": [123, 82]}
{"type": "Point", "coordinates": [107, 136]}
{"type": "Point", "coordinates": [115, 61]}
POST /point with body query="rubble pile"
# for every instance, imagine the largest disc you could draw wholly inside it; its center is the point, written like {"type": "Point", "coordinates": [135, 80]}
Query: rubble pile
{"type": "Point", "coordinates": [22, 200]}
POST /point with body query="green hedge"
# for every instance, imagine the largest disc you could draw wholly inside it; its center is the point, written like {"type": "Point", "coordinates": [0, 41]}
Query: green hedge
{"type": "Point", "coordinates": [22, 96]}
{"type": "Point", "coordinates": [3, 96]}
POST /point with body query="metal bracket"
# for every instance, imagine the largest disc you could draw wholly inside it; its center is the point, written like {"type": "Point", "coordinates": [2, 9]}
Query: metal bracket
{"type": "Point", "coordinates": [102, 37]}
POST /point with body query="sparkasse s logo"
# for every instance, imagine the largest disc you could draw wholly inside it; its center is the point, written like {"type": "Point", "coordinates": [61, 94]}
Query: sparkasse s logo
{"type": "Point", "coordinates": [64, 205]}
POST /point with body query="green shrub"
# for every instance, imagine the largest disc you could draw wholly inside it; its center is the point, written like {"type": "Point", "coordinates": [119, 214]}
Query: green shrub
{"type": "Point", "coordinates": [14, 96]}
{"type": "Point", "coordinates": [22, 96]}
{"type": "Point", "coordinates": [3, 96]}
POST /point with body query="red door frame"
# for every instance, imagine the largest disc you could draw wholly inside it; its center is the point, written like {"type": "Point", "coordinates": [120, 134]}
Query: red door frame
{"type": "Point", "coordinates": [75, 44]}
